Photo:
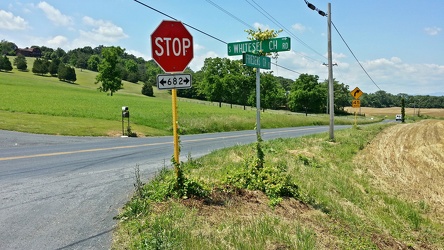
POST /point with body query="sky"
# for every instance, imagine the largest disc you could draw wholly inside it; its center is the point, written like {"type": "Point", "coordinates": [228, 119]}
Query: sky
{"type": "Point", "coordinates": [398, 43]}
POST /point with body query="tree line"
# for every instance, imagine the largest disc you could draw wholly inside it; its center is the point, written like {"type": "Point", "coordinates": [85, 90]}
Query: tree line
{"type": "Point", "coordinates": [220, 80]}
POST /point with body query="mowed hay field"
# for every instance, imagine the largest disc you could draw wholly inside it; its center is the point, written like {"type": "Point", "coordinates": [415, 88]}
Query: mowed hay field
{"type": "Point", "coordinates": [391, 112]}
{"type": "Point", "coordinates": [407, 160]}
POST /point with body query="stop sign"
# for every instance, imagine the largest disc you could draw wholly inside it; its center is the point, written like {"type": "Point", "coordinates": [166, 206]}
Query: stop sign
{"type": "Point", "coordinates": [172, 46]}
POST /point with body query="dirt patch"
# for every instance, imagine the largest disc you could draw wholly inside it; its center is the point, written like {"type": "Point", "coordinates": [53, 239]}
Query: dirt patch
{"type": "Point", "coordinates": [245, 202]}
{"type": "Point", "coordinates": [408, 161]}
{"type": "Point", "coordinates": [385, 242]}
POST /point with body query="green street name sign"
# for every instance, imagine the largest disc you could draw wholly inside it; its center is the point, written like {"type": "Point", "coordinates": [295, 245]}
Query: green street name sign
{"type": "Point", "coordinates": [266, 46]}
{"type": "Point", "coordinates": [252, 60]}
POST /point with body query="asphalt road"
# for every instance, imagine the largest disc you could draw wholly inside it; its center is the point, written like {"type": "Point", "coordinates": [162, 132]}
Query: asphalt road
{"type": "Point", "coordinates": [59, 192]}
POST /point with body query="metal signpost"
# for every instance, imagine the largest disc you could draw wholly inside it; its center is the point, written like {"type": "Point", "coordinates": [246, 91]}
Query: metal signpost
{"type": "Point", "coordinates": [172, 50]}
{"type": "Point", "coordinates": [249, 51]}
{"type": "Point", "coordinates": [356, 103]}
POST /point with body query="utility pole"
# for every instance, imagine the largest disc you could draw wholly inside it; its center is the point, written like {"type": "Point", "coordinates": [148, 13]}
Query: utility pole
{"type": "Point", "coordinates": [326, 64]}
{"type": "Point", "coordinates": [330, 77]}
{"type": "Point", "coordinates": [331, 96]}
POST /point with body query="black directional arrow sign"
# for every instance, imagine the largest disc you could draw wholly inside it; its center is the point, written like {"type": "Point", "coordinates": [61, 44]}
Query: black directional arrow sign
{"type": "Point", "coordinates": [356, 93]}
{"type": "Point", "coordinates": [173, 81]}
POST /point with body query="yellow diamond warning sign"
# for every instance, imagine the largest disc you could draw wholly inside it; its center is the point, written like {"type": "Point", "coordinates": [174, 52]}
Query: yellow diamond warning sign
{"type": "Point", "coordinates": [356, 93]}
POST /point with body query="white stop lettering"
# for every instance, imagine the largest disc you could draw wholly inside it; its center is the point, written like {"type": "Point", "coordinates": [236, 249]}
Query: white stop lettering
{"type": "Point", "coordinates": [178, 46]}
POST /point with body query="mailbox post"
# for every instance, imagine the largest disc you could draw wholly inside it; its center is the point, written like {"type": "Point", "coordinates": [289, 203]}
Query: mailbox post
{"type": "Point", "coordinates": [125, 113]}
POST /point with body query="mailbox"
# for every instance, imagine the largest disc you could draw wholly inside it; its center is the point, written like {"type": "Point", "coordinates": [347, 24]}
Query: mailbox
{"type": "Point", "coordinates": [125, 112]}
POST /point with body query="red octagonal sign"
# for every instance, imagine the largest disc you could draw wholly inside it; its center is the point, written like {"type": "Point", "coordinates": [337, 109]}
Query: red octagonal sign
{"type": "Point", "coordinates": [172, 46]}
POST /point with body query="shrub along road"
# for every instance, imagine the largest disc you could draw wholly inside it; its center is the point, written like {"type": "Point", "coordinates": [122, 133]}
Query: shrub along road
{"type": "Point", "coordinates": [63, 192]}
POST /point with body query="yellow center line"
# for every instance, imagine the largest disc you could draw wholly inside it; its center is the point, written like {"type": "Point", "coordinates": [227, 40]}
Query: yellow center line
{"type": "Point", "coordinates": [79, 151]}
{"type": "Point", "coordinates": [131, 146]}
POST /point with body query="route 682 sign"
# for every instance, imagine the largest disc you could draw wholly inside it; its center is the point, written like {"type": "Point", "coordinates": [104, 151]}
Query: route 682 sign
{"type": "Point", "coordinates": [173, 81]}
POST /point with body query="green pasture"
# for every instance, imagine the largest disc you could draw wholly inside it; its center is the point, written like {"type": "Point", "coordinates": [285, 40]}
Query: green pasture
{"type": "Point", "coordinates": [43, 104]}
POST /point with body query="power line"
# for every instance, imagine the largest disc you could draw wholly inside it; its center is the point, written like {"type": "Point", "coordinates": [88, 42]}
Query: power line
{"type": "Point", "coordinates": [229, 13]}
{"type": "Point", "coordinates": [160, 12]}
{"type": "Point", "coordinates": [277, 23]}
{"type": "Point", "coordinates": [294, 71]}
{"type": "Point", "coordinates": [322, 13]}
{"type": "Point", "coordinates": [355, 57]}
{"type": "Point", "coordinates": [196, 29]}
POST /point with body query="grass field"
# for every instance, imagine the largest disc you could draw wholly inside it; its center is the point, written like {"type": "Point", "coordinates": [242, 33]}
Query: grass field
{"type": "Point", "coordinates": [376, 187]}
{"type": "Point", "coordinates": [43, 104]}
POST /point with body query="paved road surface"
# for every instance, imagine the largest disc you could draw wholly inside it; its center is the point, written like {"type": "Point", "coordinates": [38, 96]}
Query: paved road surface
{"type": "Point", "coordinates": [60, 192]}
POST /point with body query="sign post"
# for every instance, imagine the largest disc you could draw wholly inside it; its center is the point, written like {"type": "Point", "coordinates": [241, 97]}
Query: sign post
{"type": "Point", "coordinates": [356, 103]}
{"type": "Point", "coordinates": [172, 50]}
{"type": "Point", "coordinates": [249, 51]}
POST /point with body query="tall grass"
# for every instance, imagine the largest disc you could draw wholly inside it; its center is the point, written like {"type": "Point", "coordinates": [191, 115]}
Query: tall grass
{"type": "Point", "coordinates": [339, 206]}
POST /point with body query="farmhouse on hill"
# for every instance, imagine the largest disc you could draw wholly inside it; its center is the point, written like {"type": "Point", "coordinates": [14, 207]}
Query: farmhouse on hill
{"type": "Point", "coordinates": [29, 52]}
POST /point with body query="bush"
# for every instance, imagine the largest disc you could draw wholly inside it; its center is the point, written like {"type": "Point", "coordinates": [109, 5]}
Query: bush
{"type": "Point", "coordinates": [20, 62]}
{"type": "Point", "coordinates": [273, 180]}
{"type": "Point", "coordinates": [147, 89]}
{"type": "Point", "coordinates": [5, 64]}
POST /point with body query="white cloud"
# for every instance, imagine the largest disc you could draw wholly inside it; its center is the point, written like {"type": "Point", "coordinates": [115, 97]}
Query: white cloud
{"type": "Point", "coordinates": [57, 42]}
{"type": "Point", "coordinates": [138, 54]}
{"type": "Point", "coordinates": [433, 31]}
{"type": "Point", "coordinates": [261, 26]}
{"type": "Point", "coordinates": [10, 22]}
{"type": "Point", "coordinates": [392, 75]}
{"type": "Point", "coordinates": [299, 27]}
{"type": "Point", "coordinates": [198, 47]}
{"type": "Point", "coordinates": [55, 15]}
{"type": "Point", "coordinates": [198, 60]}
{"type": "Point", "coordinates": [103, 31]}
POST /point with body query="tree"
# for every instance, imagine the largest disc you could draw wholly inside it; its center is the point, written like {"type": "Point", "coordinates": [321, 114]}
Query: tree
{"type": "Point", "coordinates": [272, 93]}
{"type": "Point", "coordinates": [131, 70]}
{"type": "Point", "coordinates": [246, 85]}
{"type": "Point", "coordinates": [147, 90]}
{"type": "Point", "coordinates": [307, 94]}
{"type": "Point", "coordinates": [71, 76]}
{"type": "Point", "coordinates": [261, 35]}
{"type": "Point", "coordinates": [192, 92]}
{"type": "Point", "coordinates": [5, 64]}
{"type": "Point", "coordinates": [109, 76]}
{"type": "Point", "coordinates": [403, 109]}
{"type": "Point", "coordinates": [54, 66]}
{"type": "Point", "coordinates": [58, 54]}
{"type": "Point", "coordinates": [213, 86]}
{"type": "Point", "coordinates": [20, 62]}
{"type": "Point", "coordinates": [46, 52]}
{"type": "Point", "coordinates": [40, 66]}
{"type": "Point", "coordinates": [82, 61]}
{"type": "Point", "coordinates": [342, 96]}
{"type": "Point", "coordinates": [152, 70]}
{"type": "Point", "coordinates": [7, 48]}
{"type": "Point", "coordinates": [66, 73]}
{"type": "Point", "coordinates": [93, 63]}
{"type": "Point", "coordinates": [62, 72]}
